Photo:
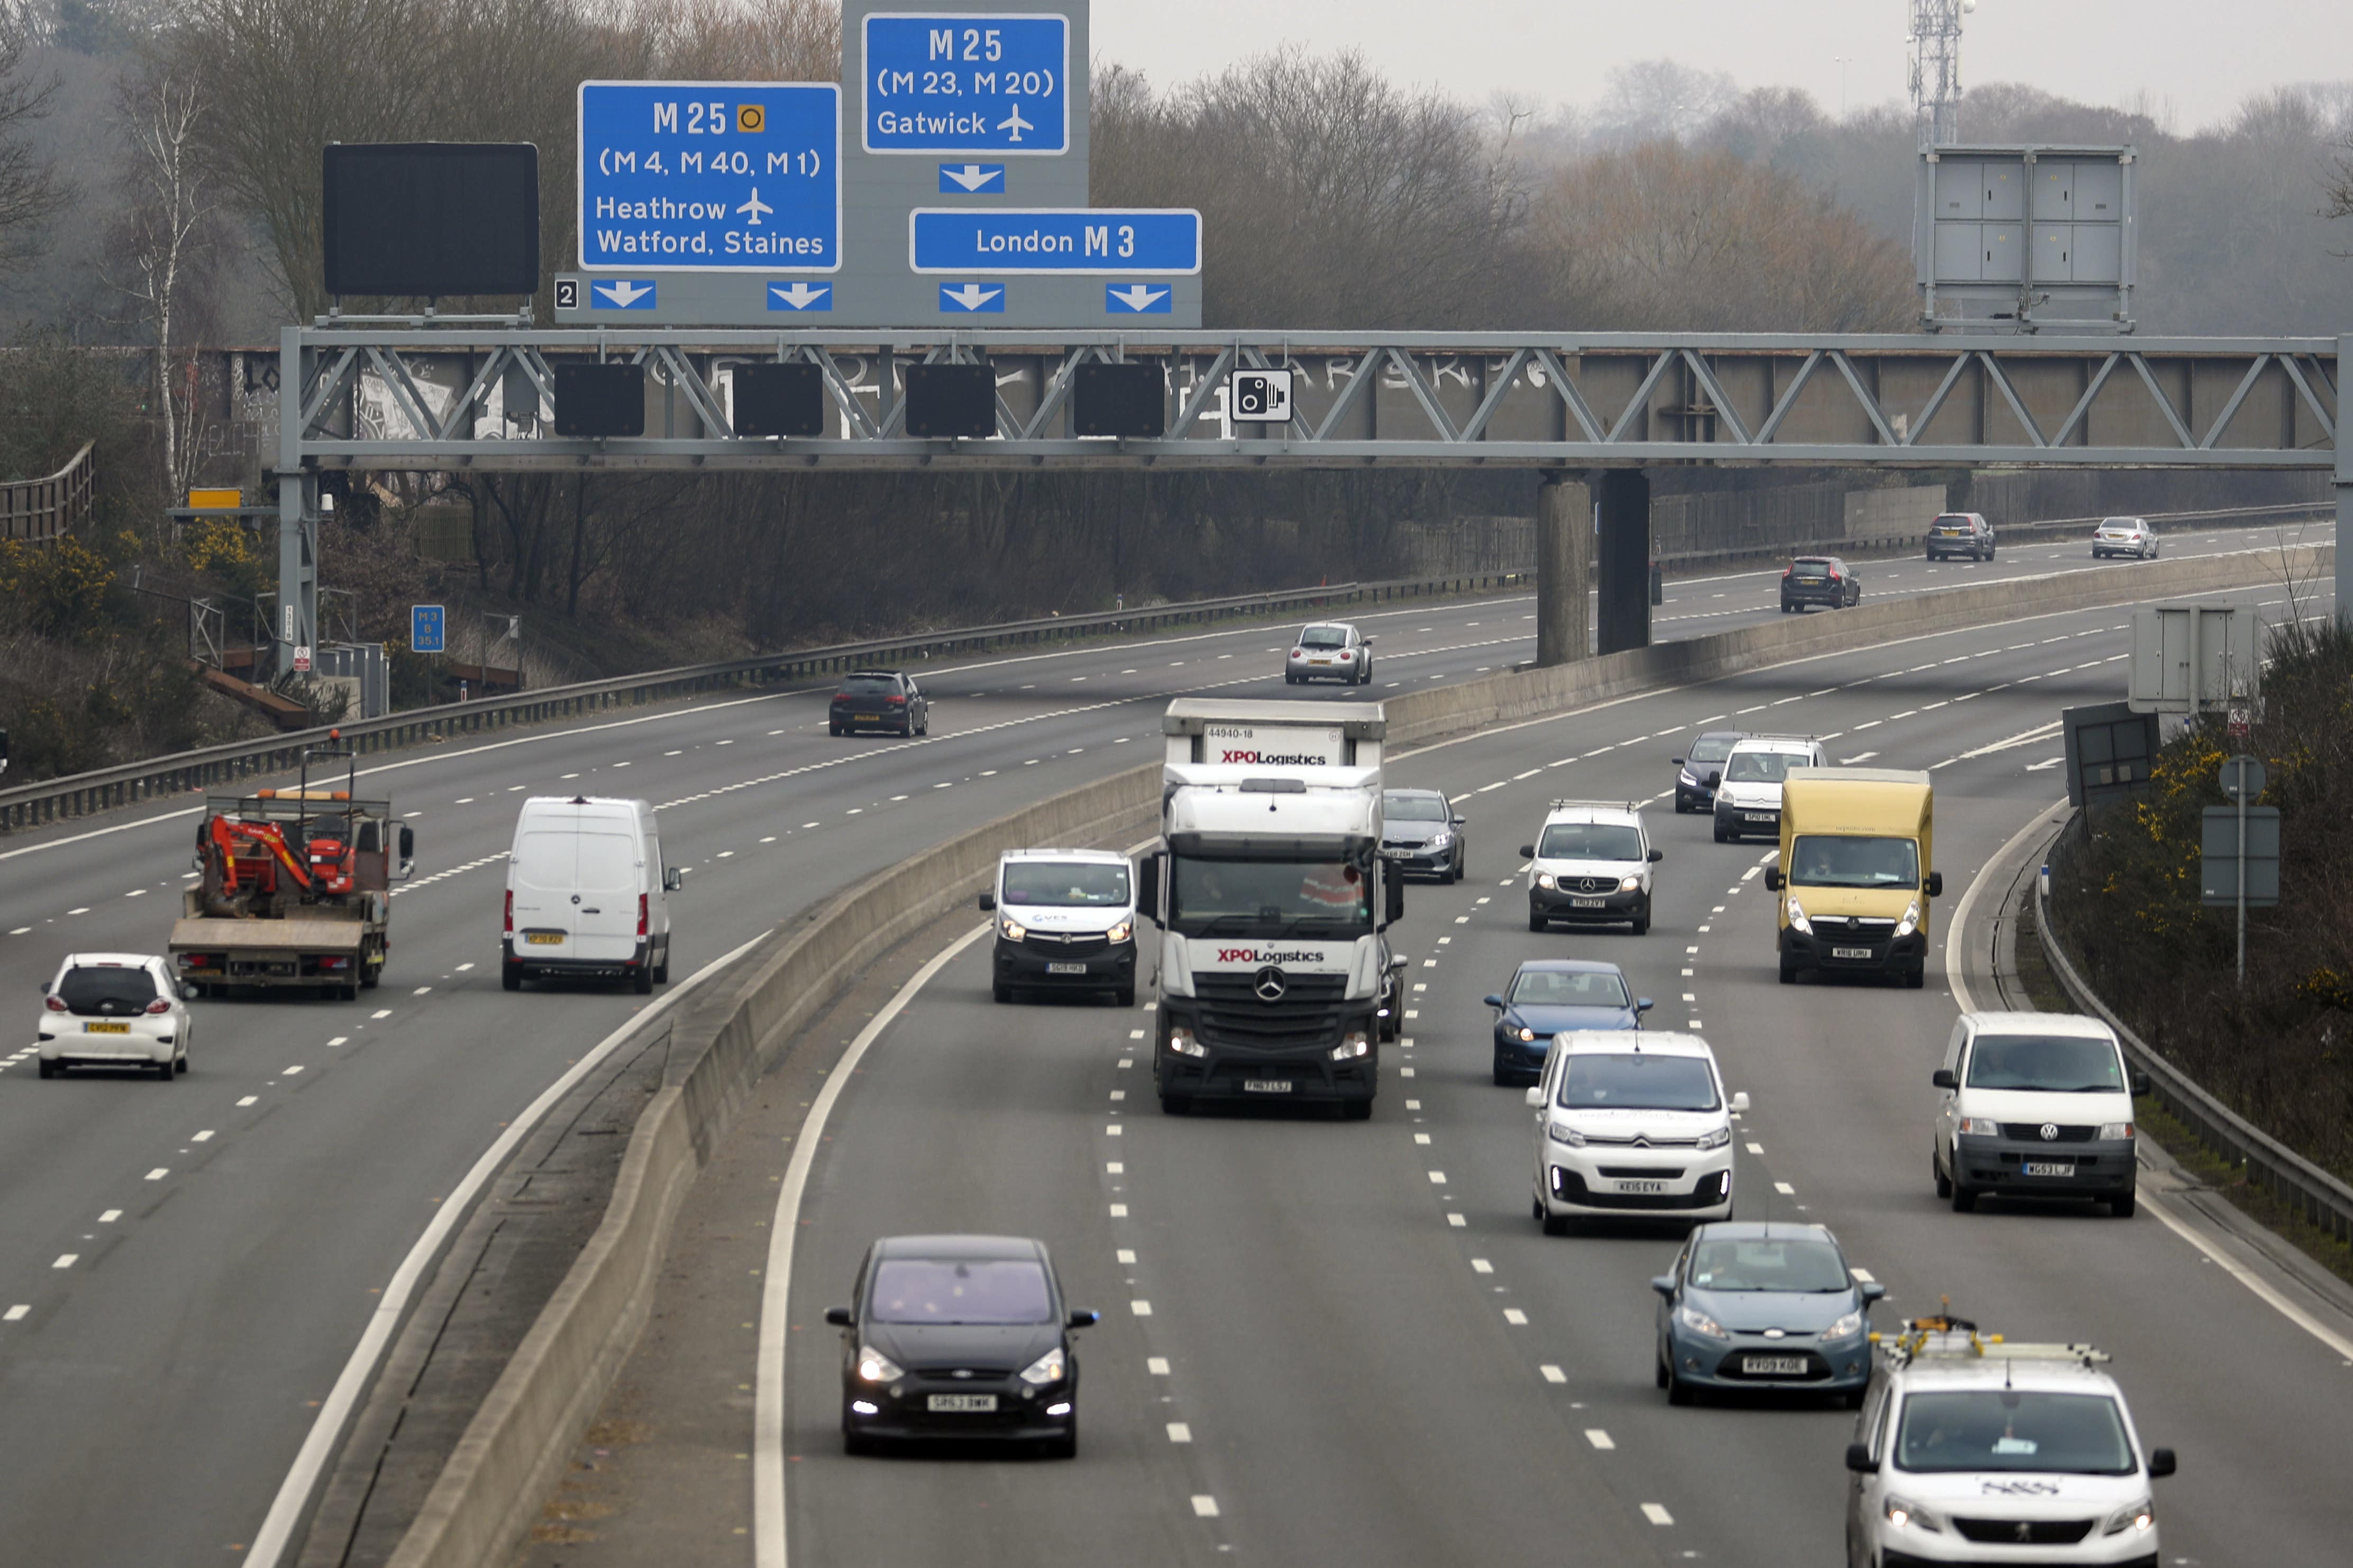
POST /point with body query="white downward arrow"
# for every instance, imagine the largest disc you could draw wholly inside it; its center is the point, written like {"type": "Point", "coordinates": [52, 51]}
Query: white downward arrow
{"type": "Point", "coordinates": [800, 296]}
{"type": "Point", "coordinates": [972, 296]}
{"type": "Point", "coordinates": [1137, 297]}
{"type": "Point", "coordinates": [624, 293]}
{"type": "Point", "coordinates": [972, 176]}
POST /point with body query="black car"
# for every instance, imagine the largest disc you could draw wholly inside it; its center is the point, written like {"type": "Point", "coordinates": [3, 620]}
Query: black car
{"type": "Point", "coordinates": [1421, 835]}
{"type": "Point", "coordinates": [1961, 533]}
{"type": "Point", "coordinates": [961, 1337]}
{"type": "Point", "coordinates": [1818, 580]}
{"type": "Point", "coordinates": [1707, 754]}
{"type": "Point", "coordinates": [880, 699]}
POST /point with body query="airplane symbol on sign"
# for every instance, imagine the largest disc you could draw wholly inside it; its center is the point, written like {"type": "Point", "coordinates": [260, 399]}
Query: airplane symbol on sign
{"type": "Point", "coordinates": [755, 206]}
{"type": "Point", "coordinates": [971, 296]}
{"type": "Point", "coordinates": [624, 294]}
{"type": "Point", "coordinates": [1016, 124]}
{"type": "Point", "coordinates": [1137, 297]}
{"type": "Point", "coordinates": [800, 296]}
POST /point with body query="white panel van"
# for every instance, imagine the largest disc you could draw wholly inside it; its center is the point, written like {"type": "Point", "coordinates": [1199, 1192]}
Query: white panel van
{"type": "Point", "coordinates": [587, 894]}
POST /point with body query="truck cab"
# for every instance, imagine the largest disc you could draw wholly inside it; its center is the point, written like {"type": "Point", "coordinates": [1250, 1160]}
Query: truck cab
{"type": "Point", "coordinates": [1273, 902]}
{"type": "Point", "coordinates": [1855, 877]}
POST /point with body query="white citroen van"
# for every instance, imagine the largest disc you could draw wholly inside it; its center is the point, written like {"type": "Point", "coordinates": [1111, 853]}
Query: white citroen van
{"type": "Point", "coordinates": [587, 894]}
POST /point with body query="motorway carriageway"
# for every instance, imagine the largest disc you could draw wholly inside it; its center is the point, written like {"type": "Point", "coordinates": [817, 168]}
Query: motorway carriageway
{"type": "Point", "coordinates": [185, 1270]}
{"type": "Point", "coordinates": [1329, 1343]}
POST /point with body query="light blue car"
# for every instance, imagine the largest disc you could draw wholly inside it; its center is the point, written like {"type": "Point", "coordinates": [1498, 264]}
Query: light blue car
{"type": "Point", "coordinates": [1763, 1306]}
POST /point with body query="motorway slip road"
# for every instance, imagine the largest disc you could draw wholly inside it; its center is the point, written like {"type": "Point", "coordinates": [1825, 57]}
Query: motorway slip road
{"type": "Point", "coordinates": [1335, 1343]}
{"type": "Point", "coordinates": [185, 1270]}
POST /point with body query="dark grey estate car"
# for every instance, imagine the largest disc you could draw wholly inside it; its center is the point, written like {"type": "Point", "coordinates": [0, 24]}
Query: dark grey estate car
{"type": "Point", "coordinates": [1820, 580]}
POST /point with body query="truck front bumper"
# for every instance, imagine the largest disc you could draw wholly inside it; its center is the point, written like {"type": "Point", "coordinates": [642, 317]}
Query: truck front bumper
{"type": "Point", "coordinates": [1212, 1069]}
{"type": "Point", "coordinates": [1901, 955]}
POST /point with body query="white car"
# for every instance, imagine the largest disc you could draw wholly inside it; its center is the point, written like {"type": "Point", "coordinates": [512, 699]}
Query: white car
{"type": "Point", "coordinates": [1973, 1450]}
{"type": "Point", "coordinates": [1632, 1125]}
{"type": "Point", "coordinates": [1747, 784]}
{"type": "Point", "coordinates": [2124, 536]}
{"type": "Point", "coordinates": [1329, 650]}
{"type": "Point", "coordinates": [1591, 865]}
{"type": "Point", "coordinates": [2035, 1105]}
{"type": "Point", "coordinates": [114, 1010]}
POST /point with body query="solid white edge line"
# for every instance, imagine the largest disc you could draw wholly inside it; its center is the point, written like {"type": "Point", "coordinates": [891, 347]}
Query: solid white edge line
{"type": "Point", "coordinates": [768, 1549]}
{"type": "Point", "coordinates": [319, 1446]}
{"type": "Point", "coordinates": [2161, 1207]}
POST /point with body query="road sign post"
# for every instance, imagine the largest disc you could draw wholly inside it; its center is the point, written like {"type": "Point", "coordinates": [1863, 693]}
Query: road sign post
{"type": "Point", "coordinates": [2245, 837]}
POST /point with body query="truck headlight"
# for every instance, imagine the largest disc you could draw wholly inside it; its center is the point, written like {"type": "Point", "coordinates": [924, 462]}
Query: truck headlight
{"type": "Point", "coordinates": [1120, 932]}
{"type": "Point", "coordinates": [1911, 921]}
{"type": "Point", "coordinates": [1011, 930]}
{"type": "Point", "coordinates": [2139, 1517]}
{"type": "Point", "coordinates": [1353, 1044]}
{"type": "Point", "coordinates": [1797, 914]}
{"type": "Point", "coordinates": [2116, 1131]}
{"type": "Point", "coordinates": [1905, 1514]}
{"type": "Point", "coordinates": [1181, 1041]}
{"type": "Point", "coordinates": [1979, 1127]}
{"type": "Point", "coordinates": [1561, 1132]}
{"type": "Point", "coordinates": [1544, 878]}
{"type": "Point", "coordinates": [1631, 885]}
{"type": "Point", "coordinates": [1716, 1139]}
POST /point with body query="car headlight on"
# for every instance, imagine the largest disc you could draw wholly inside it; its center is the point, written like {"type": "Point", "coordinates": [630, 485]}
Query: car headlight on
{"type": "Point", "coordinates": [1846, 1328]}
{"type": "Point", "coordinates": [1544, 879]}
{"type": "Point", "coordinates": [1716, 1139]}
{"type": "Point", "coordinates": [1905, 1514]}
{"type": "Point", "coordinates": [1798, 921]}
{"type": "Point", "coordinates": [873, 1366]}
{"type": "Point", "coordinates": [1685, 778]}
{"type": "Point", "coordinates": [2116, 1131]}
{"type": "Point", "coordinates": [1440, 839]}
{"type": "Point", "coordinates": [1911, 921]}
{"type": "Point", "coordinates": [1181, 1041]}
{"type": "Point", "coordinates": [1699, 1322]}
{"type": "Point", "coordinates": [1353, 1044]}
{"type": "Point", "coordinates": [1631, 885]}
{"type": "Point", "coordinates": [1120, 932]}
{"type": "Point", "coordinates": [1011, 930]}
{"type": "Point", "coordinates": [1525, 1035]}
{"type": "Point", "coordinates": [1981, 1127]}
{"type": "Point", "coordinates": [1562, 1132]}
{"type": "Point", "coordinates": [2139, 1517]}
{"type": "Point", "coordinates": [1048, 1368]}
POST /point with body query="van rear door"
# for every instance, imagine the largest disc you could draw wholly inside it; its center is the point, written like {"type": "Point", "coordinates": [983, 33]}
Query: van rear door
{"type": "Point", "coordinates": [546, 866]}
{"type": "Point", "coordinates": [608, 880]}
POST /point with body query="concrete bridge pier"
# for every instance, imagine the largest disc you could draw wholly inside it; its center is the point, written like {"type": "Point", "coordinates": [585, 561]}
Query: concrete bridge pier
{"type": "Point", "coordinates": [1563, 561]}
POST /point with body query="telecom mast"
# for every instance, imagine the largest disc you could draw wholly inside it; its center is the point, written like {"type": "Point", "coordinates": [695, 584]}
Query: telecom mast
{"type": "Point", "coordinates": [1936, 40]}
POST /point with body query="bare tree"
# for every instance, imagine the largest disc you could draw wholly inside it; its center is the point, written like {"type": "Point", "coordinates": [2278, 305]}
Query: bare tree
{"type": "Point", "coordinates": [164, 245]}
{"type": "Point", "coordinates": [30, 192]}
{"type": "Point", "coordinates": [1646, 100]}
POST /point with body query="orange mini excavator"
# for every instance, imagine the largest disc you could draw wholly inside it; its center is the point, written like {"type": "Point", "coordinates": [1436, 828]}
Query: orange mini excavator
{"type": "Point", "coordinates": [293, 887]}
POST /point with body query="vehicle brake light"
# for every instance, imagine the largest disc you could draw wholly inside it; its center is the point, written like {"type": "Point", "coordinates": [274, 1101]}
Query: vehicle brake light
{"type": "Point", "coordinates": [896, 701]}
{"type": "Point", "coordinates": [1834, 577]}
{"type": "Point", "coordinates": [1787, 570]}
{"type": "Point", "coordinates": [56, 1004]}
{"type": "Point", "coordinates": [159, 1005]}
{"type": "Point", "coordinates": [641, 914]}
{"type": "Point", "coordinates": [511, 911]}
{"type": "Point", "coordinates": [1299, 653]}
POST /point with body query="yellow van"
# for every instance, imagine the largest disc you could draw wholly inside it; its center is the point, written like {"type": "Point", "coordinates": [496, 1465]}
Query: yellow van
{"type": "Point", "coordinates": [1854, 874]}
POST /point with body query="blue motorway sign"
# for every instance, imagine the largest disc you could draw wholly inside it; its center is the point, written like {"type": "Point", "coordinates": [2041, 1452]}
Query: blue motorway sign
{"type": "Point", "coordinates": [711, 176]}
{"type": "Point", "coordinates": [1071, 240]}
{"type": "Point", "coordinates": [427, 629]}
{"type": "Point", "coordinates": [965, 82]}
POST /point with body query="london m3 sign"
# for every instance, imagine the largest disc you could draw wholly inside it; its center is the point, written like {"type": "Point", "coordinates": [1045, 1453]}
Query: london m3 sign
{"type": "Point", "coordinates": [711, 176]}
{"type": "Point", "coordinates": [965, 82]}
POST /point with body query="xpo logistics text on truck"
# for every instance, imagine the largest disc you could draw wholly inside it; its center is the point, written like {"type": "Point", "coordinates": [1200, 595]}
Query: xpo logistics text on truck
{"type": "Point", "coordinates": [1855, 874]}
{"type": "Point", "coordinates": [1274, 901]}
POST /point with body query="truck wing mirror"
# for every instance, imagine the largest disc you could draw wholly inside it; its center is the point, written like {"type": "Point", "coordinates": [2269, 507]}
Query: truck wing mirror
{"type": "Point", "coordinates": [1935, 886]}
{"type": "Point", "coordinates": [1657, 856]}
{"type": "Point", "coordinates": [988, 901]}
{"type": "Point", "coordinates": [1527, 852]}
{"type": "Point", "coordinates": [1394, 910]}
{"type": "Point", "coordinates": [1772, 879]}
{"type": "Point", "coordinates": [408, 851]}
{"type": "Point", "coordinates": [2161, 1462]}
{"type": "Point", "coordinates": [1148, 886]}
{"type": "Point", "coordinates": [1740, 1104]}
{"type": "Point", "coordinates": [2140, 1084]}
{"type": "Point", "coordinates": [1400, 961]}
{"type": "Point", "coordinates": [1535, 1097]}
{"type": "Point", "coordinates": [673, 879]}
{"type": "Point", "coordinates": [1859, 1461]}
{"type": "Point", "coordinates": [1944, 1077]}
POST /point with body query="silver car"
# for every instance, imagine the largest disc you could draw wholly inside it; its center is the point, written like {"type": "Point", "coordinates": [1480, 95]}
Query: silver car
{"type": "Point", "coordinates": [1329, 651]}
{"type": "Point", "coordinates": [114, 1010]}
{"type": "Point", "coordinates": [2124, 536]}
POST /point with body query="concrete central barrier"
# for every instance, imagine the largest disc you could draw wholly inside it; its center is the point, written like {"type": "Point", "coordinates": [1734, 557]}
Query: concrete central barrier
{"type": "Point", "coordinates": [513, 1452]}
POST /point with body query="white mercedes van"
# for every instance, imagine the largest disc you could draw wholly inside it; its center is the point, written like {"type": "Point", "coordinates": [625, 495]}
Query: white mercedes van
{"type": "Point", "coordinates": [587, 894]}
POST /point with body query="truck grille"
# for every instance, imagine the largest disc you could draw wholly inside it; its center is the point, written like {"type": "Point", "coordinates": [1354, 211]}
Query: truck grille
{"type": "Point", "coordinates": [2031, 1133]}
{"type": "Point", "coordinates": [1307, 1015]}
{"type": "Point", "coordinates": [1078, 944]}
{"type": "Point", "coordinates": [1841, 926]}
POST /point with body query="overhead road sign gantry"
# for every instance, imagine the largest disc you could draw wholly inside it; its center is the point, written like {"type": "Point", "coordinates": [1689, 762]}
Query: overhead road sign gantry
{"type": "Point", "coordinates": [1065, 240]}
{"type": "Point", "coordinates": [709, 176]}
{"type": "Point", "coordinates": [965, 82]}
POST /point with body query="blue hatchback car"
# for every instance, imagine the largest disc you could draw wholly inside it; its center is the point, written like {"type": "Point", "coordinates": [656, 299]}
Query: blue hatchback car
{"type": "Point", "coordinates": [1764, 1305]}
{"type": "Point", "coordinates": [1548, 997]}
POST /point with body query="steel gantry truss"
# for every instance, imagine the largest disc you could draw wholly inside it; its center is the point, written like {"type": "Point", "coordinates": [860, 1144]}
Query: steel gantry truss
{"type": "Point", "coordinates": [391, 398]}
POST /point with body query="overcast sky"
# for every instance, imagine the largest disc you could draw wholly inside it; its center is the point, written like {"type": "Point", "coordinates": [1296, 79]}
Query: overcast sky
{"type": "Point", "coordinates": [2199, 56]}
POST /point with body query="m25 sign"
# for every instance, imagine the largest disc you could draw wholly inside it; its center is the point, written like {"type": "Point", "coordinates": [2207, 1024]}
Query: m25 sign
{"type": "Point", "coordinates": [958, 83]}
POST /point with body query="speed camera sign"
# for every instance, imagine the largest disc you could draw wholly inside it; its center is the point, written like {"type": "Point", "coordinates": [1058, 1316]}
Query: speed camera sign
{"type": "Point", "coordinates": [1260, 396]}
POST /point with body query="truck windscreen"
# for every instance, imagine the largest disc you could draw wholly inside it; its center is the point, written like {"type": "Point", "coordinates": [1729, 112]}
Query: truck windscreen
{"type": "Point", "coordinates": [1269, 898]}
{"type": "Point", "coordinates": [1852, 861]}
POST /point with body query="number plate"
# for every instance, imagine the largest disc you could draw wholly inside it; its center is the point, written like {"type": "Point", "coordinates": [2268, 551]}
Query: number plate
{"type": "Point", "coordinates": [2050, 1167]}
{"type": "Point", "coordinates": [866, 717]}
{"type": "Point", "coordinates": [1266, 1086]}
{"type": "Point", "coordinates": [106, 1028]}
{"type": "Point", "coordinates": [1066, 969]}
{"type": "Point", "coordinates": [543, 938]}
{"type": "Point", "coordinates": [1588, 903]}
{"type": "Point", "coordinates": [1850, 952]}
{"type": "Point", "coordinates": [1756, 816]}
{"type": "Point", "coordinates": [969, 1404]}
{"type": "Point", "coordinates": [1773, 1366]}
{"type": "Point", "coordinates": [1641, 1186]}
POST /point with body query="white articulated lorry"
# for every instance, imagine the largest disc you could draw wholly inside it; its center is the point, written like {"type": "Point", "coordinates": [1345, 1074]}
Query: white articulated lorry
{"type": "Point", "coordinates": [1274, 901]}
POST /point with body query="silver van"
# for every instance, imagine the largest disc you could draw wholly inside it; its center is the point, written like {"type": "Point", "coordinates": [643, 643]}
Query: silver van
{"type": "Point", "coordinates": [587, 894]}
{"type": "Point", "coordinates": [1065, 921]}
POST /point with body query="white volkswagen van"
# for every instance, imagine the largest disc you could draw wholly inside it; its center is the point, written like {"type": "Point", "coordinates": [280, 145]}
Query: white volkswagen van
{"type": "Point", "coordinates": [587, 894]}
